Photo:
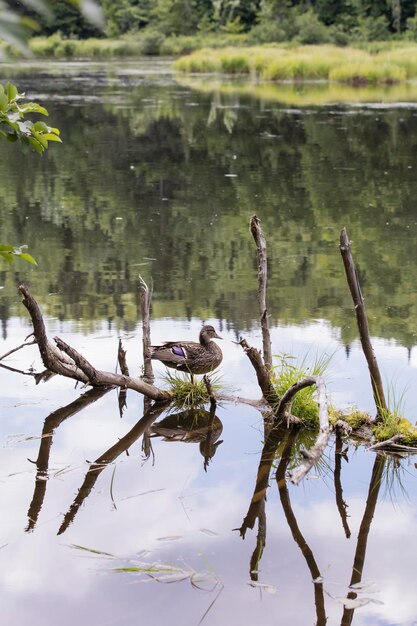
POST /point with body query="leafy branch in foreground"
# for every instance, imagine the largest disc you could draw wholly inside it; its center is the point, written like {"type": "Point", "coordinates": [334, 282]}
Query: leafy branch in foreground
{"type": "Point", "coordinates": [13, 126]}
{"type": "Point", "coordinates": [9, 252]}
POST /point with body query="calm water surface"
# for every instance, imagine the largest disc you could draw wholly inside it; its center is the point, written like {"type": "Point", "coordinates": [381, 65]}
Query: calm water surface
{"type": "Point", "coordinates": [158, 176]}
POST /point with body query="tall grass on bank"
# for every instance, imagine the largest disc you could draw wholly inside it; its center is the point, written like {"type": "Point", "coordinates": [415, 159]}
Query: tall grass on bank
{"type": "Point", "coordinates": [326, 62]}
{"type": "Point", "coordinates": [147, 42]}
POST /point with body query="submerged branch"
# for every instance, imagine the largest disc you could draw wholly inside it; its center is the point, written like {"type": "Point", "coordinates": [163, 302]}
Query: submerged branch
{"type": "Point", "coordinates": [362, 321]}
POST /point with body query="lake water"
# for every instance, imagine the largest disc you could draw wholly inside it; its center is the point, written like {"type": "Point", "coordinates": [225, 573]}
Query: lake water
{"type": "Point", "coordinates": [158, 176]}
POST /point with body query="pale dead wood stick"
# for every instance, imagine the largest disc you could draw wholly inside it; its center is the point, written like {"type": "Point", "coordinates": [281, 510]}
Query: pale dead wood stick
{"type": "Point", "coordinates": [314, 454]}
{"type": "Point", "coordinates": [362, 321]}
{"type": "Point", "coordinates": [257, 234]}
{"type": "Point", "coordinates": [393, 445]}
{"type": "Point", "coordinates": [145, 303]}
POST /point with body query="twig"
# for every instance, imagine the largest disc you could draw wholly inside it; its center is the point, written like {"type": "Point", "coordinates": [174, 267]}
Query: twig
{"type": "Point", "coordinates": [314, 454]}
{"type": "Point", "coordinates": [23, 345]}
{"type": "Point", "coordinates": [257, 234]}
{"type": "Point", "coordinates": [362, 321]}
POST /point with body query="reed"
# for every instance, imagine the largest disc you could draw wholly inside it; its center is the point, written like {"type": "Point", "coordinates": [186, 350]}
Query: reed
{"type": "Point", "coordinates": [372, 72]}
{"type": "Point", "coordinates": [347, 65]}
{"type": "Point", "coordinates": [405, 58]}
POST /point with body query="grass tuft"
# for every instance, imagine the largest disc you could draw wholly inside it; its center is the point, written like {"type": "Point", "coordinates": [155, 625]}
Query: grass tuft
{"type": "Point", "coordinates": [185, 393]}
{"type": "Point", "coordinates": [288, 372]}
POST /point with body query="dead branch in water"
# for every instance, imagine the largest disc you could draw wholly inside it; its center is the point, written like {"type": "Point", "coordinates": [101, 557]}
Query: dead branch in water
{"type": "Point", "coordinates": [263, 375]}
{"type": "Point", "coordinates": [362, 321]}
{"type": "Point", "coordinates": [257, 234]}
{"type": "Point", "coordinates": [121, 358]}
{"type": "Point", "coordinates": [393, 445]}
{"type": "Point", "coordinates": [65, 360]}
{"type": "Point", "coordinates": [145, 303]}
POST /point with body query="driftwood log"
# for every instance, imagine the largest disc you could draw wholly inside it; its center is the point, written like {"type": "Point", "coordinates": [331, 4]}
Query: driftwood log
{"type": "Point", "coordinates": [61, 358]}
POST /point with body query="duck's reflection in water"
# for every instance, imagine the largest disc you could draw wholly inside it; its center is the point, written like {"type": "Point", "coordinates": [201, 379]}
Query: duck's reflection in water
{"type": "Point", "coordinates": [192, 426]}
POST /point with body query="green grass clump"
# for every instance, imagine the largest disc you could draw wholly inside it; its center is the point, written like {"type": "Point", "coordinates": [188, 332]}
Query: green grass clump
{"type": "Point", "coordinates": [57, 47]}
{"type": "Point", "coordinates": [355, 418]}
{"type": "Point", "coordinates": [405, 58]}
{"type": "Point", "coordinates": [200, 61]}
{"type": "Point", "coordinates": [326, 62]}
{"type": "Point", "coordinates": [235, 62]}
{"type": "Point", "coordinates": [288, 372]}
{"type": "Point", "coordinates": [185, 393]}
{"type": "Point", "coordinates": [371, 72]}
{"type": "Point", "coordinates": [391, 425]}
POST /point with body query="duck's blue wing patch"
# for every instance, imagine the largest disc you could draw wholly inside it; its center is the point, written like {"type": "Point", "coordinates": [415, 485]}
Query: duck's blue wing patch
{"type": "Point", "coordinates": [179, 351]}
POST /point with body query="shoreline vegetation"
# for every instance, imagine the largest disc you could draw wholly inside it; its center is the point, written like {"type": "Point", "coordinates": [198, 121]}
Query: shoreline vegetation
{"type": "Point", "coordinates": [383, 63]}
{"type": "Point", "coordinates": [327, 63]}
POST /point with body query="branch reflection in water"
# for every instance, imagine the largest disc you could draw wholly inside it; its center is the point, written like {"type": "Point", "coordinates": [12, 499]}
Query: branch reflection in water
{"type": "Point", "coordinates": [204, 427]}
{"type": "Point", "coordinates": [280, 443]}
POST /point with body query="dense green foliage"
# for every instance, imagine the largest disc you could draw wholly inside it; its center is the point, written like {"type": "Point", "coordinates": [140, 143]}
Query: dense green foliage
{"type": "Point", "coordinates": [257, 21]}
{"type": "Point", "coordinates": [14, 127]}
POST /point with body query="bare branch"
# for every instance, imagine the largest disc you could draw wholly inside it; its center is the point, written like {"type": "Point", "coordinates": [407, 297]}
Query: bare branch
{"type": "Point", "coordinates": [362, 321]}
{"type": "Point", "coordinates": [257, 234]}
{"type": "Point", "coordinates": [262, 373]}
{"type": "Point", "coordinates": [23, 345]}
{"type": "Point", "coordinates": [145, 303]}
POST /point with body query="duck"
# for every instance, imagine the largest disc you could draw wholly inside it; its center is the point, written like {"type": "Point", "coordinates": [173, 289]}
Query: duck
{"type": "Point", "coordinates": [192, 357]}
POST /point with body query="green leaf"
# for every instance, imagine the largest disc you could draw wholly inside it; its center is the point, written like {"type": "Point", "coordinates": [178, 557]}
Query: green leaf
{"type": "Point", "coordinates": [40, 127]}
{"type": "Point", "coordinates": [35, 144]}
{"type": "Point", "coordinates": [4, 102]}
{"type": "Point", "coordinates": [27, 257]}
{"type": "Point", "coordinates": [11, 91]}
{"type": "Point", "coordinates": [41, 139]}
{"type": "Point", "coordinates": [8, 256]}
{"type": "Point", "coordinates": [33, 107]}
{"type": "Point", "coordinates": [51, 137]}
{"type": "Point", "coordinates": [6, 248]}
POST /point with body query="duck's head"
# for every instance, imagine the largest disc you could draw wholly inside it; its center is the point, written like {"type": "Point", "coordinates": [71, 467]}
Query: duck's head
{"type": "Point", "coordinates": [207, 333]}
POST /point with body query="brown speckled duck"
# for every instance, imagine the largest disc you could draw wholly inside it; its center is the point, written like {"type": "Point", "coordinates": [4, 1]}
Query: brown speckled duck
{"type": "Point", "coordinates": [190, 356]}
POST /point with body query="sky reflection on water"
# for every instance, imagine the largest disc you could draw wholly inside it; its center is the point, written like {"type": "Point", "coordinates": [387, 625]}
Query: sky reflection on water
{"type": "Point", "coordinates": [177, 513]}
